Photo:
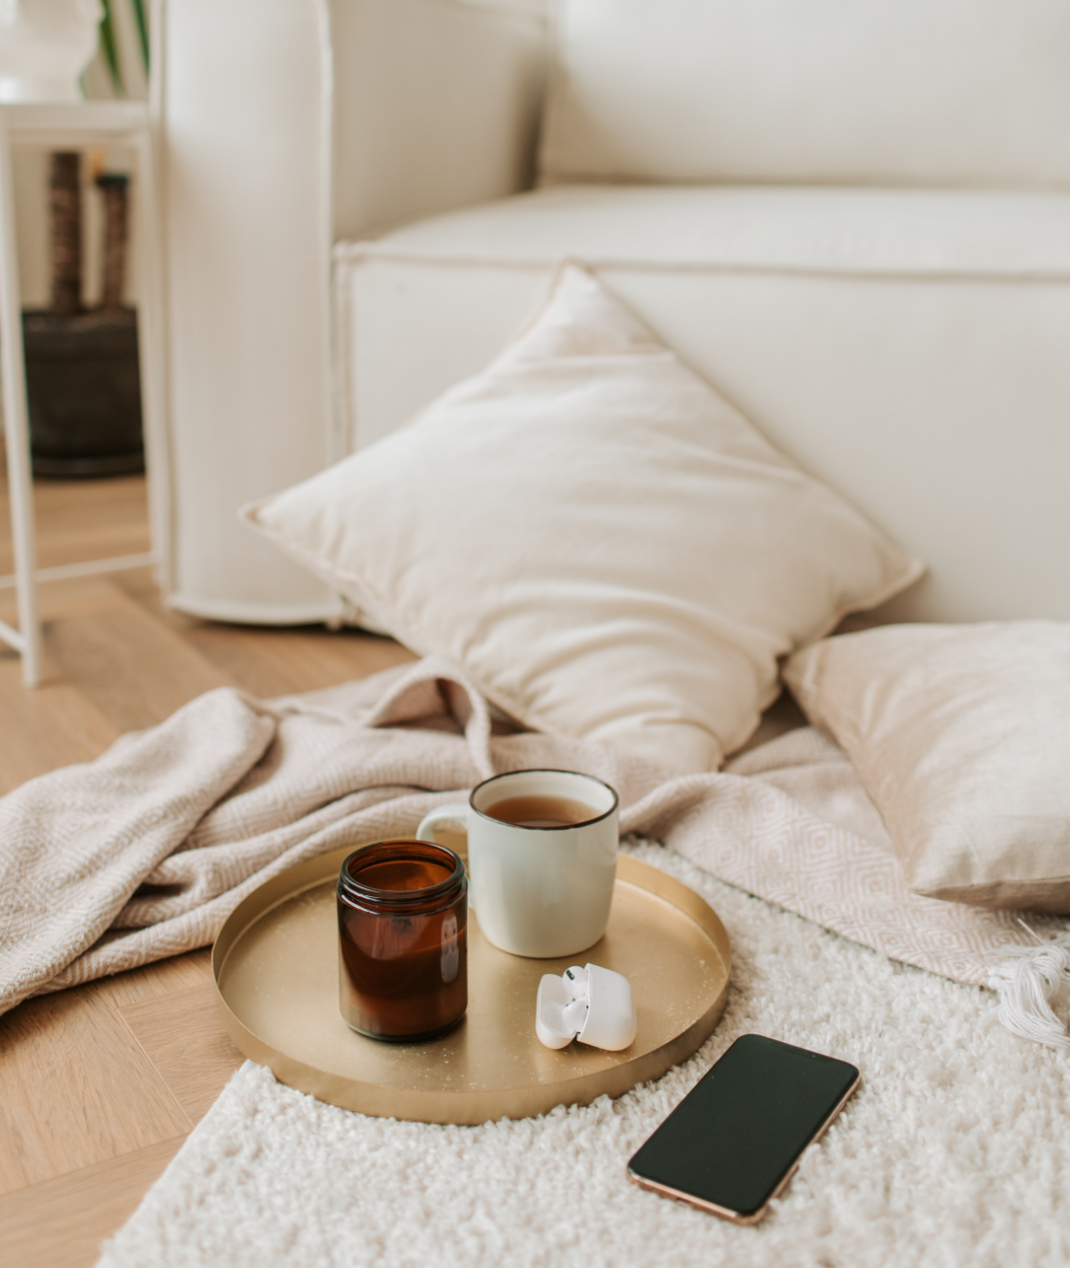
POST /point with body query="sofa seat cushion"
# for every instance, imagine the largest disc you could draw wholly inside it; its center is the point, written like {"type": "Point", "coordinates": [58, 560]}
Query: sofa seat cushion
{"type": "Point", "coordinates": [906, 347]}
{"type": "Point", "coordinates": [904, 231]}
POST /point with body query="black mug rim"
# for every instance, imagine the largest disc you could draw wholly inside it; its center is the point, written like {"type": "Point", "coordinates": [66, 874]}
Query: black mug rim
{"type": "Point", "coordinates": [544, 770]}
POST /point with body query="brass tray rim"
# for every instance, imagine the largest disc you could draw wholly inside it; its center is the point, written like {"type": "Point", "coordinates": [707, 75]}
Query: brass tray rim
{"type": "Point", "coordinates": [469, 1107]}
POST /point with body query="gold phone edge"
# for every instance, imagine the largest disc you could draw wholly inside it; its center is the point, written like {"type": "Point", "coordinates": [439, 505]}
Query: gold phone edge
{"type": "Point", "coordinates": [736, 1217]}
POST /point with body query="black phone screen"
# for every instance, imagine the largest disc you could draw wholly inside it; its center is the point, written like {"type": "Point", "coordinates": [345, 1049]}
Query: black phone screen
{"type": "Point", "coordinates": [736, 1135]}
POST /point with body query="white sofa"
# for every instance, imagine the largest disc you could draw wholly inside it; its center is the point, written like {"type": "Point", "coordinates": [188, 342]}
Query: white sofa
{"type": "Point", "coordinates": [852, 217]}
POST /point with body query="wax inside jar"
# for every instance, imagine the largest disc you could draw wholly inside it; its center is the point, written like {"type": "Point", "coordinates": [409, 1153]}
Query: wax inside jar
{"type": "Point", "coordinates": [403, 874]}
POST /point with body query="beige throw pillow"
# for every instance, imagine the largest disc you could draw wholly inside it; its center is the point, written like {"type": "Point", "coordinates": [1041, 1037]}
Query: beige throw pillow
{"type": "Point", "coordinates": [961, 736]}
{"type": "Point", "coordinates": [606, 545]}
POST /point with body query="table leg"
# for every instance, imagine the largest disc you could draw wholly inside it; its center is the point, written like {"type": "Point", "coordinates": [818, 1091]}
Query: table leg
{"type": "Point", "coordinates": [27, 638]}
{"type": "Point", "coordinates": [151, 349]}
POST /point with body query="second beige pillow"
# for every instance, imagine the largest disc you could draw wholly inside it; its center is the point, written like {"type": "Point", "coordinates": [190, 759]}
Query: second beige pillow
{"type": "Point", "coordinates": [961, 736]}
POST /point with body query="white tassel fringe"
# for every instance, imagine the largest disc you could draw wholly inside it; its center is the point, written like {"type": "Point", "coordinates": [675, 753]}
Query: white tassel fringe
{"type": "Point", "coordinates": [1027, 984]}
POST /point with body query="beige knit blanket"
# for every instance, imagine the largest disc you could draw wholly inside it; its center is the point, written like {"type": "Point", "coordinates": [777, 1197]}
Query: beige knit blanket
{"type": "Point", "coordinates": [142, 853]}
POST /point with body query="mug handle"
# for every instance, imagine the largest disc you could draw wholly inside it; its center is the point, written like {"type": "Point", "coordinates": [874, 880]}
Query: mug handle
{"type": "Point", "coordinates": [455, 812]}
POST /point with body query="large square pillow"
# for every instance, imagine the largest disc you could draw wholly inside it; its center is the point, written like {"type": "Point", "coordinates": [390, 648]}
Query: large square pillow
{"type": "Point", "coordinates": [961, 736]}
{"type": "Point", "coordinates": [602, 541]}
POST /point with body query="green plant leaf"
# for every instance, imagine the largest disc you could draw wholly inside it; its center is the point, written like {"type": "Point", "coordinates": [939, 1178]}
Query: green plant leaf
{"type": "Point", "coordinates": [109, 47]}
{"type": "Point", "coordinates": [138, 7]}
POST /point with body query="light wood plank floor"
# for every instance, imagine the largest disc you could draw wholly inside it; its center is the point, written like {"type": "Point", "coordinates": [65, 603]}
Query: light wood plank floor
{"type": "Point", "coordinates": [100, 1085]}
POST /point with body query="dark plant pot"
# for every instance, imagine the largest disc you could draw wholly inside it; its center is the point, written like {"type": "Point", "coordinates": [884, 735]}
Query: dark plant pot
{"type": "Point", "coordinates": [84, 393]}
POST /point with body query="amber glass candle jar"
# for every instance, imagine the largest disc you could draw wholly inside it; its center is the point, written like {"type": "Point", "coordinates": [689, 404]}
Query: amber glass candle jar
{"type": "Point", "coordinates": [403, 938]}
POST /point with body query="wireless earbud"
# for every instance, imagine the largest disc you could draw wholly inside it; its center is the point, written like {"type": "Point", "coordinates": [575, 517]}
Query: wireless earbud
{"type": "Point", "coordinates": [577, 977]}
{"type": "Point", "coordinates": [575, 1015]}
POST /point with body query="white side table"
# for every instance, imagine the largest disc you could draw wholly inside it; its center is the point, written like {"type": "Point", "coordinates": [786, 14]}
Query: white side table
{"type": "Point", "coordinates": [70, 127]}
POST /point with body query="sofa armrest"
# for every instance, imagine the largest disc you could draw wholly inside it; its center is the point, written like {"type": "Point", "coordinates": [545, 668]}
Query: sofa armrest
{"type": "Point", "coordinates": [241, 95]}
{"type": "Point", "coordinates": [436, 105]}
{"type": "Point", "coordinates": [282, 124]}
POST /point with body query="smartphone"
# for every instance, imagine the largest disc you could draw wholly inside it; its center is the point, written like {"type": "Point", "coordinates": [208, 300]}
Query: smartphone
{"type": "Point", "coordinates": [734, 1142]}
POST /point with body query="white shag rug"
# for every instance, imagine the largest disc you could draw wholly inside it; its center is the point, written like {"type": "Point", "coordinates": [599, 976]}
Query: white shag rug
{"type": "Point", "coordinates": [956, 1150]}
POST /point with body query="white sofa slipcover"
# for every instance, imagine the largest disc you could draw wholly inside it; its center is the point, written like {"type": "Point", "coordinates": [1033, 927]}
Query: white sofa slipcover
{"type": "Point", "coordinates": [887, 340]}
{"type": "Point", "coordinates": [283, 125]}
{"type": "Point", "coordinates": [907, 345]}
{"type": "Point", "coordinates": [848, 92]}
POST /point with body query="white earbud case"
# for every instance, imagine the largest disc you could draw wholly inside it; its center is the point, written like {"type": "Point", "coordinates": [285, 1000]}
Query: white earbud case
{"type": "Point", "coordinates": [592, 1004]}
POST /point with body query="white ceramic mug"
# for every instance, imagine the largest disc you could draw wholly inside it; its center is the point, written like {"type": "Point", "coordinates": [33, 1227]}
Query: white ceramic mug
{"type": "Point", "coordinates": [541, 892]}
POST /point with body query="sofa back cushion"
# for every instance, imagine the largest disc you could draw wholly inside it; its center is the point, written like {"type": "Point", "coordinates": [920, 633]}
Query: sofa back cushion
{"type": "Point", "coordinates": [914, 92]}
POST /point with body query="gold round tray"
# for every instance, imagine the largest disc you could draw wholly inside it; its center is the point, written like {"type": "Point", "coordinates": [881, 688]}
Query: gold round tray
{"type": "Point", "coordinates": [275, 964]}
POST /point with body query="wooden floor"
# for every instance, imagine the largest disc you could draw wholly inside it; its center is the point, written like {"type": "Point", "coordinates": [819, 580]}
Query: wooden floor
{"type": "Point", "coordinates": [100, 1085]}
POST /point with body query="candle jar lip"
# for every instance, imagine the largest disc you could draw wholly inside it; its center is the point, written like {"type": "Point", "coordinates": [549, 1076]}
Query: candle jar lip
{"type": "Point", "coordinates": [359, 893]}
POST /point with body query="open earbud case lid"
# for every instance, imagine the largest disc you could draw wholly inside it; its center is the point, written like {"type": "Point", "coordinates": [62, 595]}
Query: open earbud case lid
{"type": "Point", "coordinates": [592, 1004]}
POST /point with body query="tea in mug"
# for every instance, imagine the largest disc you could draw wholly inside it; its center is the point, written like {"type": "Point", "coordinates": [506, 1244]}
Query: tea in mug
{"type": "Point", "coordinates": [542, 812]}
